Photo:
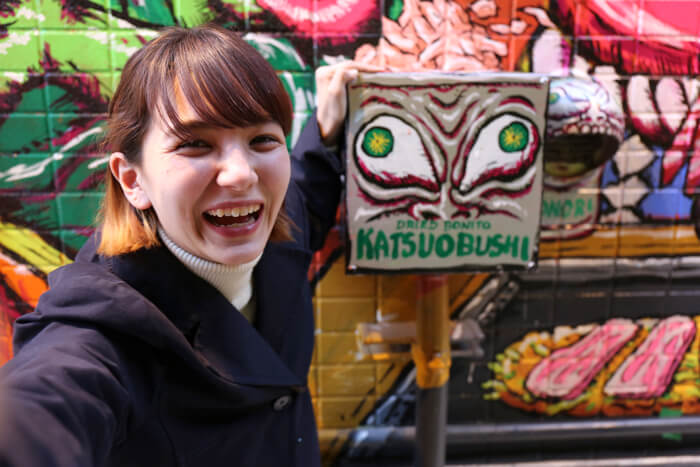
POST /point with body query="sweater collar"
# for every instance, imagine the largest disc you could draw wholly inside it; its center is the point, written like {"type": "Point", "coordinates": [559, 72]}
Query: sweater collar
{"type": "Point", "coordinates": [235, 282]}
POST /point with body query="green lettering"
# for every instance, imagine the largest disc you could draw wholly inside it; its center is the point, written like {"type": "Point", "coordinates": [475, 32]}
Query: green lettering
{"type": "Point", "coordinates": [479, 251]}
{"type": "Point", "coordinates": [381, 243]}
{"type": "Point", "coordinates": [511, 244]}
{"type": "Point", "coordinates": [444, 246]}
{"type": "Point", "coordinates": [424, 251]}
{"type": "Point", "coordinates": [524, 250]}
{"type": "Point", "coordinates": [465, 244]}
{"type": "Point", "coordinates": [410, 243]}
{"type": "Point", "coordinates": [551, 208]}
{"type": "Point", "coordinates": [566, 210]}
{"type": "Point", "coordinates": [497, 246]}
{"type": "Point", "coordinates": [395, 240]}
{"type": "Point", "coordinates": [364, 243]}
{"type": "Point", "coordinates": [580, 204]}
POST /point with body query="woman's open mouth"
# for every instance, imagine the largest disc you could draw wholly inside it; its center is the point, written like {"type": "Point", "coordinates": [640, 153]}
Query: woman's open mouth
{"type": "Point", "coordinates": [239, 216]}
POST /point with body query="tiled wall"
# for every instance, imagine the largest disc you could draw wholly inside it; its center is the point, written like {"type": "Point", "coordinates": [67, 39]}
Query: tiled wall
{"type": "Point", "coordinates": [60, 59]}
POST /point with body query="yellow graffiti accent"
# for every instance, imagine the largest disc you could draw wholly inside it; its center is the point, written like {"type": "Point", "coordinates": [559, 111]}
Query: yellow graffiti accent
{"type": "Point", "coordinates": [626, 241]}
{"type": "Point", "coordinates": [28, 245]}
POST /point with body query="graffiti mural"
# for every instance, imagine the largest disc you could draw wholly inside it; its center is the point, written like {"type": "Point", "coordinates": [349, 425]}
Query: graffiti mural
{"type": "Point", "coordinates": [585, 127]}
{"type": "Point", "coordinates": [633, 213]}
{"type": "Point", "coordinates": [445, 170]}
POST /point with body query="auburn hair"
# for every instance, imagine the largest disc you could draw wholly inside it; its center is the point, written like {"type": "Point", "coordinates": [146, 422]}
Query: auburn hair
{"type": "Point", "coordinates": [227, 83]}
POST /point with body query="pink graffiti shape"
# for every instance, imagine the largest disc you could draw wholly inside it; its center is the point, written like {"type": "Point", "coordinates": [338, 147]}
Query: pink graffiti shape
{"type": "Point", "coordinates": [637, 37]}
{"type": "Point", "coordinates": [328, 17]}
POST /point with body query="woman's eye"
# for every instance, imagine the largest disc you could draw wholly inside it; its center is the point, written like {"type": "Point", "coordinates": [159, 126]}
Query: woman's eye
{"type": "Point", "coordinates": [265, 142]}
{"type": "Point", "coordinates": [193, 144]}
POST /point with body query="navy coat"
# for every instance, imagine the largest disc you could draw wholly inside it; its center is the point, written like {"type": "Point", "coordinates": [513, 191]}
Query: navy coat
{"type": "Point", "coordinates": [135, 361]}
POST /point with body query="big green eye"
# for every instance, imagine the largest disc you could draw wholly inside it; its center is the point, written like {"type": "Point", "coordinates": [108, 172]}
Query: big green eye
{"type": "Point", "coordinates": [513, 138]}
{"type": "Point", "coordinates": [378, 142]}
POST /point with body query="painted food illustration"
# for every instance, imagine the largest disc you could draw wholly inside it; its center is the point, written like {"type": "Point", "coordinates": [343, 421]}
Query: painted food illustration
{"type": "Point", "coordinates": [647, 372]}
{"type": "Point", "coordinates": [568, 371]}
{"type": "Point", "coordinates": [620, 367]}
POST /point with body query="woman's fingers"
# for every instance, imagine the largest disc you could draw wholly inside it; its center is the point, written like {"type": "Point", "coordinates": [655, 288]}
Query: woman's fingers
{"type": "Point", "coordinates": [331, 81]}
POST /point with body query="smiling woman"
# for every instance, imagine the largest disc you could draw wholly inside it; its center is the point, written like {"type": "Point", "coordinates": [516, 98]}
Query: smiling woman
{"type": "Point", "coordinates": [183, 332]}
{"type": "Point", "coordinates": [225, 84]}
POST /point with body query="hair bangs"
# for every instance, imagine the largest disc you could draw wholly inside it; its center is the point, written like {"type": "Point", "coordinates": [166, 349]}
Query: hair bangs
{"type": "Point", "coordinates": [226, 83]}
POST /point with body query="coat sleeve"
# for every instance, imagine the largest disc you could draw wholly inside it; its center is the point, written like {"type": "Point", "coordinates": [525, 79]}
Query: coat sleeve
{"type": "Point", "coordinates": [317, 174]}
{"type": "Point", "coordinates": [63, 399]}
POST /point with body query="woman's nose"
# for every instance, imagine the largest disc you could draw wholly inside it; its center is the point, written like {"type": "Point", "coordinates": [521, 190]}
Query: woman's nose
{"type": "Point", "coordinates": [236, 171]}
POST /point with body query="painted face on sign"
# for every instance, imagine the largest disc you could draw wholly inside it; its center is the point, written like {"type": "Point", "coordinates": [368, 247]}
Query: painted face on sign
{"type": "Point", "coordinates": [453, 151]}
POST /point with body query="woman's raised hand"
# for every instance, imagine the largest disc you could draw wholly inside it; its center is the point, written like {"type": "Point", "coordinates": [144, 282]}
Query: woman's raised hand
{"type": "Point", "coordinates": [332, 98]}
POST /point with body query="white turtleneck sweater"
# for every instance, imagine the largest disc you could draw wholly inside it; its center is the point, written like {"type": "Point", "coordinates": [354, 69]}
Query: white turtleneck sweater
{"type": "Point", "coordinates": [234, 282]}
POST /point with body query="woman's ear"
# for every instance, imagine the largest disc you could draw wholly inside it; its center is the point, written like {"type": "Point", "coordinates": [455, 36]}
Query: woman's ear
{"type": "Point", "coordinates": [128, 177]}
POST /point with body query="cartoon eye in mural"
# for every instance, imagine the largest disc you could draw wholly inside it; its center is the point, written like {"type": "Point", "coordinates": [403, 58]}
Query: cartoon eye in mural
{"type": "Point", "coordinates": [499, 160]}
{"type": "Point", "coordinates": [381, 150]}
{"type": "Point", "coordinates": [503, 149]}
{"type": "Point", "coordinates": [513, 138]}
{"type": "Point", "coordinates": [378, 142]}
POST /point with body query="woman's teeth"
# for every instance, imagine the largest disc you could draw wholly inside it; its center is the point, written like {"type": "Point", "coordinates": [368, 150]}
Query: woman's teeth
{"type": "Point", "coordinates": [239, 216]}
{"type": "Point", "coordinates": [234, 212]}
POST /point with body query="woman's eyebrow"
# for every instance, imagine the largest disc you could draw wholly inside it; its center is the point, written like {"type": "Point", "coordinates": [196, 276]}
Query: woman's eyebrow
{"type": "Point", "coordinates": [196, 124]}
{"type": "Point", "coordinates": [188, 127]}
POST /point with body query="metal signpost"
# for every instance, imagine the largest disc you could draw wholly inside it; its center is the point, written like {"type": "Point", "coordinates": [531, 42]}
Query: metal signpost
{"type": "Point", "coordinates": [444, 174]}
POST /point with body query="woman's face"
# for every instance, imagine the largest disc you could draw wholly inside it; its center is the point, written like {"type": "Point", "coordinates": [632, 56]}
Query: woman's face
{"type": "Point", "coordinates": [217, 194]}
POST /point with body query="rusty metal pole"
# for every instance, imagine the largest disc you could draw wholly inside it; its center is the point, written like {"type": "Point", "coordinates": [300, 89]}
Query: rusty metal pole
{"type": "Point", "coordinates": [431, 355]}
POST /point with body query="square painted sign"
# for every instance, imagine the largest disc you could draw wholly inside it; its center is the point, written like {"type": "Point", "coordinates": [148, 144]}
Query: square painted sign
{"type": "Point", "coordinates": [444, 171]}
